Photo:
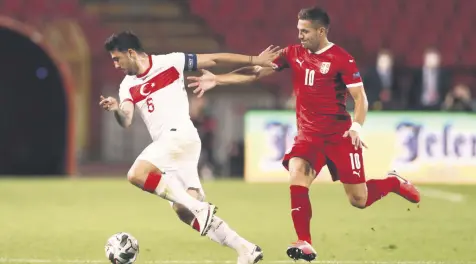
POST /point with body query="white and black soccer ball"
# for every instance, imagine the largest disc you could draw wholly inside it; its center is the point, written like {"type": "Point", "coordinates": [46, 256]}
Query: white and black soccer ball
{"type": "Point", "coordinates": [122, 248]}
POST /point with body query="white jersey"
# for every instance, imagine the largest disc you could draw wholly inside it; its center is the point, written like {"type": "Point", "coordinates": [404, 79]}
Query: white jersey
{"type": "Point", "coordinates": [159, 93]}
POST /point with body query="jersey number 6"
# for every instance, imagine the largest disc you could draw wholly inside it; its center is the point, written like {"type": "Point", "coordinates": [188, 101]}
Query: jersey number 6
{"type": "Point", "coordinates": [150, 105]}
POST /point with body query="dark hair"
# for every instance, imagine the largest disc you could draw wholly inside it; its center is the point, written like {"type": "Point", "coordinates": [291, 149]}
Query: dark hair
{"type": "Point", "coordinates": [122, 42]}
{"type": "Point", "coordinates": [316, 14]}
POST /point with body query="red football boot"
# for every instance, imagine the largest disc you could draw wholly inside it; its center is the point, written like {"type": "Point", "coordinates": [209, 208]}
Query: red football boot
{"type": "Point", "coordinates": [406, 189]}
{"type": "Point", "coordinates": [301, 250]}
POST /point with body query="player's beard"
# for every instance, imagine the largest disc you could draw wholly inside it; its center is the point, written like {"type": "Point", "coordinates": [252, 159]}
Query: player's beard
{"type": "Point", "coordinates": [306, 44]}
{"type": "Point", "coordinates": [130, 71]}
{"type": "Point", "coordinates": [131, 68]}
{"type": "Point", "coordinates": [311, 45]}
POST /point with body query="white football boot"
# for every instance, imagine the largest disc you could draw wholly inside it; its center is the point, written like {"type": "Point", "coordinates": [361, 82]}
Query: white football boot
{"type": "Point", "coordinates": [252, 257]}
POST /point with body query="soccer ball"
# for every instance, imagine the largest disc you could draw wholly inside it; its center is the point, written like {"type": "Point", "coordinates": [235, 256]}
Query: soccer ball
{"type": "Point", "coordinates": [122, 248]}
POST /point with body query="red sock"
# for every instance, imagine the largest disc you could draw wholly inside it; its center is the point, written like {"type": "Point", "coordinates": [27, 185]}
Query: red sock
{"type": "Point", "coordinates": [152, 182]}
{"type": "Point", "coordinates": [376, 189]}
{"type": "Point", "coordinates": [195, 224]}
{"type": "Point", "coordinates": [301, 212]}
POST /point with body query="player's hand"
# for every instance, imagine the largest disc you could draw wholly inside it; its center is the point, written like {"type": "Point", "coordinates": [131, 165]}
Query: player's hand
{"type": "Point", "coordinates": [267, 56]}
{"type": "Point", "coordinates": [202, 83]}
{"type": "Point", "coordinates": [109, 104]}
{"type": "Point", "coordinates": [356, 141]}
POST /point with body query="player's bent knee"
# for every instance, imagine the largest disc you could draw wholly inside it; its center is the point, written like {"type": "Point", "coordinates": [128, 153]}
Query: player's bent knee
{"type": "Point", "coordinates": [133, 178]}
{"type": "Point", "coordinates": [138, 173]}
{"type": "Point", "coordinates": [301, 172]}
{"type": "Point", "coordinates": [357, 194]}
{"type": "Point", "coordinates": [136, 176]}
{"type": "Point", "coordinates": [358, 201]}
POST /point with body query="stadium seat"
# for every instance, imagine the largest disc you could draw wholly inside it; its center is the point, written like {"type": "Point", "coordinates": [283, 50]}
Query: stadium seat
{"type": "Point", "coordinates": [373, 24]}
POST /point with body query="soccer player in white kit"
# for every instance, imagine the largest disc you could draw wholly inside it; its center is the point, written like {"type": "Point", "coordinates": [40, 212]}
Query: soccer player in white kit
{"type": "Point", "coordinates": [154, 85]}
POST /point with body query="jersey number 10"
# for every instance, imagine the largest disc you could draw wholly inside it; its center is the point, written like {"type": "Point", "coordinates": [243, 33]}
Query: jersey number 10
{"type": "Point", "coordinates": [355, 161]}
{"type": "Point", "coordinates": [309, 78]}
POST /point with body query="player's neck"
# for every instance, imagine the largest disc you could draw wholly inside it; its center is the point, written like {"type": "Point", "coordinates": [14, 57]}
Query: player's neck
{"type": "Point", "coordinates": [322, 44]}
{"type": "Point", "coordinates": [143, 63]}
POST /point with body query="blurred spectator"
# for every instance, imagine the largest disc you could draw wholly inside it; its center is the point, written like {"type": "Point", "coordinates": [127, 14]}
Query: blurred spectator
{"type": "Point", "coordinates": [430, 83]}
{"type": "Point", "coordinates": [381, 83]}
{"type": "Point", "coordinates": [290, 103]}
{"type": "Point", "coordinates": [459, 99]}
{"type": "Point", "coordinates": [236, 158]}
{"type": "Point", "coordinates": [205, 125]}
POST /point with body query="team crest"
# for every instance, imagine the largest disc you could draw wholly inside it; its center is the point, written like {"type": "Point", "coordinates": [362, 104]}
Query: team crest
{"type": "Point", "coordinates": [325, 66]}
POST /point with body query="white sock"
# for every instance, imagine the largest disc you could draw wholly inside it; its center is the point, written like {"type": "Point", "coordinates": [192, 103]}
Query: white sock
{"type": "Point", "coordinates": [221, 233]}
{"type": "Point", "coordinates": [171, 189]}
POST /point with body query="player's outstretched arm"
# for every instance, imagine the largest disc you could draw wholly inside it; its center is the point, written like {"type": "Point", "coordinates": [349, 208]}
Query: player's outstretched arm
{"type": "Point", "coordinates": [243, 75]}
{"type": "Point", "coordinates": [264, 59]}
{"type": "Point", "coordinates": [123, 112]}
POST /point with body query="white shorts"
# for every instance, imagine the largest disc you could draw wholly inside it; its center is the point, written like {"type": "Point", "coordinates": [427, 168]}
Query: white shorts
{"type": "Point", "coordinates": [176, 153]}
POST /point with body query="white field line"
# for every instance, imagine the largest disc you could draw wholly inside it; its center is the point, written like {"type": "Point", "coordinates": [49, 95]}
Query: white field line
{"type": "Point", "coordinates": [78, 261]}
{"type": "Point", "coordinates": [442, 195]}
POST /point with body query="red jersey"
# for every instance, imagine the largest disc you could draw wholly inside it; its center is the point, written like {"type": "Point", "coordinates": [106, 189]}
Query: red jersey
{"type": "Point", "coordinates": [320, 82]}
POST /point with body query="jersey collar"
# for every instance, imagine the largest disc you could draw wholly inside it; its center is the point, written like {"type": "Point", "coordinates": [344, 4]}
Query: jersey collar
{"type": "Point", "coordinates": [330, 45]}
{"type": "Point", "coordinates": [148, 69]}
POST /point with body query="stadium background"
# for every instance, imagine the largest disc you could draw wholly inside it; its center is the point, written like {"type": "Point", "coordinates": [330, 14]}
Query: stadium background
{"type": "Point", "coordinates": [54, 69]}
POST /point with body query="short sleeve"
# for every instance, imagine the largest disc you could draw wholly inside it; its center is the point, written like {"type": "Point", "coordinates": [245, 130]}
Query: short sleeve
{"type": "Point", "coordinates": [183, 61]}
{"type": "Point", "coordinates": [124, 94]}
{"type": "Point", "coordinates": [282, 62]}
{"type": "Point", "coordinates": [350, 73]}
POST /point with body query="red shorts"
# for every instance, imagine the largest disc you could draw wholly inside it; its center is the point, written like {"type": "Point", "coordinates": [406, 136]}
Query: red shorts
{"type": "Point", "coordinates": [344, 162]}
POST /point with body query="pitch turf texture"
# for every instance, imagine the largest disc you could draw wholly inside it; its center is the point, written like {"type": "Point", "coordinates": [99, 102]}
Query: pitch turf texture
{"type": "Point", "coordinates": [69, 221]}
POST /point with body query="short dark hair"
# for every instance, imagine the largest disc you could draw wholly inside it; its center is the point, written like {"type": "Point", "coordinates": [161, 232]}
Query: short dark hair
{"type": "Point", "coordinates": [316, 14]}
{"type": "Point", "coordinates": [123, 41]}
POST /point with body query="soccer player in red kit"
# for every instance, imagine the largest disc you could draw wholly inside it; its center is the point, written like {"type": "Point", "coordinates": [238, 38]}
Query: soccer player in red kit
{"type": "Point", "coordinates": [323, 76]}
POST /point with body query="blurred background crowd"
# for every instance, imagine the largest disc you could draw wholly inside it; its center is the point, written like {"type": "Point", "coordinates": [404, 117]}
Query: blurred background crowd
{"type": "Point", "coordinates": [414, 55]}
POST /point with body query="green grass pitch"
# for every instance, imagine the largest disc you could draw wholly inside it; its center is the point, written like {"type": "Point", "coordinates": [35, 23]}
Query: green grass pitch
{"type": "Point", "coordinates": [69, 221]}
